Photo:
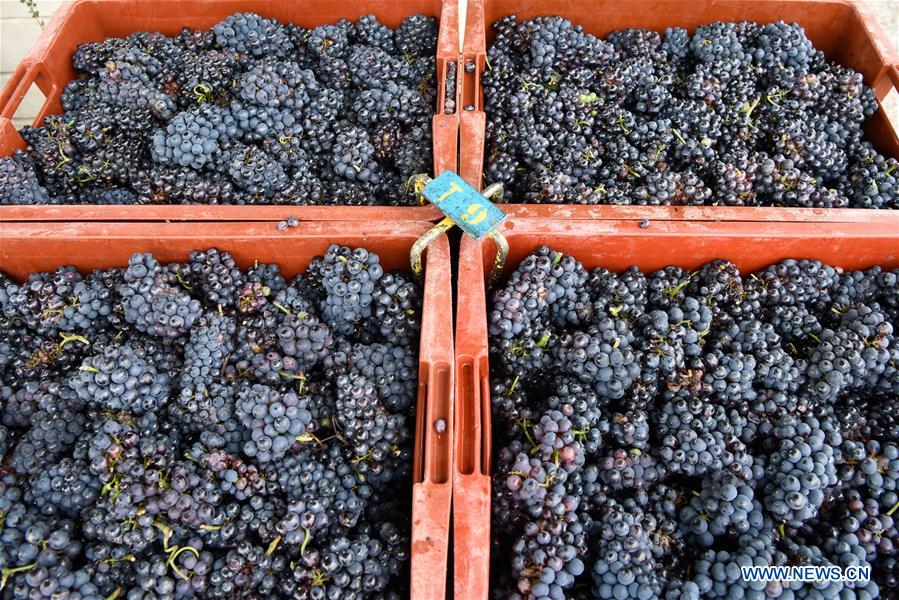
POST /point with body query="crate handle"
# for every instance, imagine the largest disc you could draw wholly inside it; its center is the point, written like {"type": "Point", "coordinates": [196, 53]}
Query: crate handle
{"type": "Point", "coordinates": [439, 399]}
{"type": "Point", "coordinates": [469, 418]}
{"type": "Point", "coordinates": [423, 242]}
{"type": "Point", "coordinates": [470, 81]}
{"type": "Point", "coordinates": [887, 79]}
{"type": "Point", "coordinates": [473, 417]}
{"type": "Point", "coordinates": [485, 408]}
{"type": "Point", "coordinates": [443, 73]}
{"type": "Point", "coordinates": [15, 90]}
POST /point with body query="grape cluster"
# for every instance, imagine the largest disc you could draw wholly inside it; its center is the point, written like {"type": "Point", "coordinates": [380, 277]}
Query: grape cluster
{"type": "Point", "coordinates": [191, 139]}
{"type": "Point", "coordinates": [237, 477]}
{"type": "Point", "coordinates": [305, 338]}
{"type": "Point", "coordinates": [353, 155]}
{"type": "Point", "coordinates": [368, 425]}
{"type": "Point", "coordinates": [216, 277]}
{"type": "Point", "coordinates": [67, 488]}
{"type": "Point", "coordinates": [349, 278]}
{"type": "Point", "coordinates": [390, 368]}
{"type": "Point", "coordinates": [251, 111]}
{"type": "Point", "coordinates": [122, 378]}
{"type": "Point", "coordinates": [154, 300]}
{"type": "Point", "coordinates": [350, 567]}
{"type": "Point", "coordinates": [726, 504]}
{"type": "Point", "coordinates": [46, 297]}
{"type": "Point", "coordinates": [205, 353]}
{"type": "Point", "coordinates": [629, 469]}
{"type": "Point", "coordinates": [690, 422]}
{"type": "Point", "coordinates": [800, 469]}
{"type": "Point", "coordinates": [631, 573]}
{"type": "Point", "coordinates": [736, 113]}
{"type": "Point", "coordinates": [192, 430]}
{"type": "Point", "coordinates": [698, 436]}
{"type": "Point", "coordinates": [273, 422]}
{"type": "Point", "coordinates": [394, 308]}
{"type": "Point", "coordinates": [855, 354]}
{"type": "Point", "coordinates": [321, 495]}
{"type": "Point", "coordinates": [54, 429]}
{"type": "Point", "coordinates": [602, 356]}
{"type": "Point", "coordinates": [19, 181]}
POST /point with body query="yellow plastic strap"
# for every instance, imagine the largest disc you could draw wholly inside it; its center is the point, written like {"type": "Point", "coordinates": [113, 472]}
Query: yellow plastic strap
{"type": "Point", "coordinates": [499, 261]}
{"type": "Point", "coordinates": [423, 242]}
{"type": "Point", "coordinates": [491, 192]}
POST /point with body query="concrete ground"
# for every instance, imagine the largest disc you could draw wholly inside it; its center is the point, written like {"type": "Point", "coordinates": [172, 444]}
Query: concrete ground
{"type": "Point", "coordinates": [887, 13]}
{"type": "Point", "coordinates": [19, 30]}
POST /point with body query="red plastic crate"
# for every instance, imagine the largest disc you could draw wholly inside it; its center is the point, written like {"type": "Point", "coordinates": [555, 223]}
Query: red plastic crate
{"type": "Point", "coordinates": [49, 66]}
{"type": "Point", "coordinates": [843, 29]}
{"type": "Point", "coordinates": [29, 247]}
{"type": "Point", "coordinates": [615, 245]}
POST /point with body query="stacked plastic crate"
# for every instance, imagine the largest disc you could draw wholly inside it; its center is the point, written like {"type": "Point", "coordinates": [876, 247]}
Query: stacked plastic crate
{"type": "Point", "coordinates": [617, 235]}
{"type": "Point", "coordinates": [42, 237]}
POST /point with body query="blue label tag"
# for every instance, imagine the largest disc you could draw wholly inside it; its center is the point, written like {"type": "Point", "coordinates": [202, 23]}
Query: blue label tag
{"type": "Point", "coordinates": [466, 206]}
